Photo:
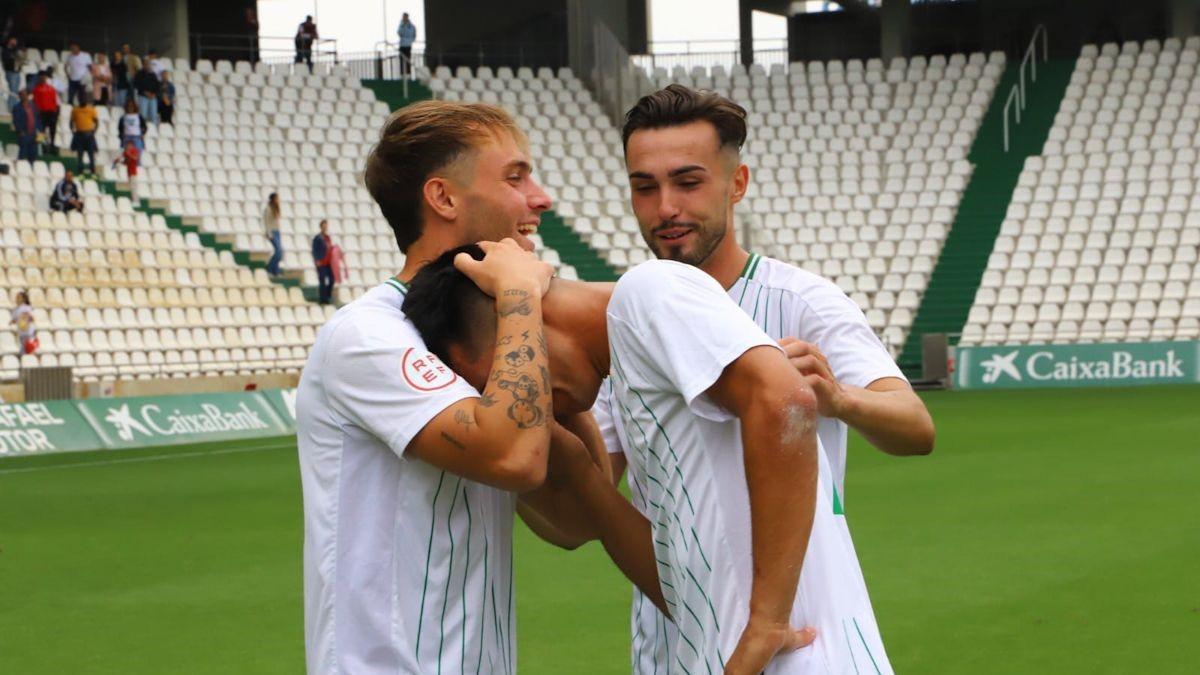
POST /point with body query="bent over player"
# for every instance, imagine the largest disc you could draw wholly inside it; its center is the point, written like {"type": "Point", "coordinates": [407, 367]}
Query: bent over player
{"type": "Point", "coordinates": [741, 539]}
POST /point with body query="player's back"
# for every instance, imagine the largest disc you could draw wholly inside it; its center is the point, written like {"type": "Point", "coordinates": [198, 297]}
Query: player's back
{"type": "Point", "coordinates": [672, 330]}
{"type": "Point", "coordinates": [407, 568]}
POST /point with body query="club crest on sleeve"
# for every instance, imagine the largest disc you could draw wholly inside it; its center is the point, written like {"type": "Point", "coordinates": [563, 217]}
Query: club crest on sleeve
{"type": "Point", "coordinates": [425, 371]}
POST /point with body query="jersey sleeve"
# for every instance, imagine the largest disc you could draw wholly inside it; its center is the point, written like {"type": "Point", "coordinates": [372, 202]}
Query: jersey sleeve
{"type": "Point", "coordinates": [688, 328]}
{"type": "Point", "coordinates": [380, 377]}
{"type": "Point", "coordinates": [841, 332]}
{"type": "Point", "coordinates": [606, 419]}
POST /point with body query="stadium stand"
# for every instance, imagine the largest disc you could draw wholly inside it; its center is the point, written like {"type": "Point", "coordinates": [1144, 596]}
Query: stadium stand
{"type": "Point", "coordinates": [240, 132]}
{"type": "Point", "coordinates": [1100, 240]}
{"type": "Point", "coordinates": [119, 294]}
{"type": "Point", "coordinates": [245, 130]}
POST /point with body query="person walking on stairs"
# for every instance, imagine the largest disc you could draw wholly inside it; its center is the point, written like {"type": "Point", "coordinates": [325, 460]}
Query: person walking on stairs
{"type": "Point", "coordinates": [271, 216]}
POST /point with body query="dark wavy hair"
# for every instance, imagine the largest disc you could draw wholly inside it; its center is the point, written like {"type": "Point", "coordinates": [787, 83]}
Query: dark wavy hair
{"type": "Point", "coordinates": [677, 105]}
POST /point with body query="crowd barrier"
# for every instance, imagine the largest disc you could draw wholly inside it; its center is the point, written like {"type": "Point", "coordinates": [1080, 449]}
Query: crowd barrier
{"type": "Point", "coordinates": [146, 421]}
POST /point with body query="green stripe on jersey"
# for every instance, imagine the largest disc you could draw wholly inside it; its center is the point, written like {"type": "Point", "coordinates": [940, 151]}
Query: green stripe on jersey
{"type": "Point", "coordinates": [428, 556]}
{"type": "Point", "coordinates": [754, 267]}
{"type": "Point", "coordinates": [400, 286]}
{"type": "Point", "coordinates": [864, 641]}
{"type": "Point", "coordinates": [749, 263]}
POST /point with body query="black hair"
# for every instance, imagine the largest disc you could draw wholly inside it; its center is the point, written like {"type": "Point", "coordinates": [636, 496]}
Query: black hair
{"type": "Point", "coordinates": [439, 302]}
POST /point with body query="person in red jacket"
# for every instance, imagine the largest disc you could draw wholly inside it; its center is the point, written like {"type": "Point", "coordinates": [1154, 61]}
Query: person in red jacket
{"type": "Point", "coordinates": [322, 251]}
{"type": "Point", "coordinates": [45, 99]}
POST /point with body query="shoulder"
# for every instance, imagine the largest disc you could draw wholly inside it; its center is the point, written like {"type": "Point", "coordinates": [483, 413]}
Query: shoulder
{"type": "Point", "coordinates": [371, 323]}
{"type": "Point", "coordinates": [817, 293]}
{"type": "Point", "coordinates": [655, 287]}
{"type": "Point", "coordinates": [662, 273]}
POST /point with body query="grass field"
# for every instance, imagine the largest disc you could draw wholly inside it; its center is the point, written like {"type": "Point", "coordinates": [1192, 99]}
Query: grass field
{"type": "Point", "coordinates": [1050, 532]}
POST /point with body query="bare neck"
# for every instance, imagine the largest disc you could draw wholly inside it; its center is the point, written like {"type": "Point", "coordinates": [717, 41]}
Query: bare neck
{"type": "Point", "coordinates": [578, 309]}
{"type": "Point", "coordinates": [727, 261]}
{"type": "Point", "coordinates": [424, 251]}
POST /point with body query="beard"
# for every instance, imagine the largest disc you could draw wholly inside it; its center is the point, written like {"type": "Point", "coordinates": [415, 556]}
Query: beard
{"type": "Point", "coordinates": [707, 240]}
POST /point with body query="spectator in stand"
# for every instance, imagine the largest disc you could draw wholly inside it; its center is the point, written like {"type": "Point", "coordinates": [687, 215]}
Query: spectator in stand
{"type": "Point", "coordinates": [322, 251]}
{"type": "Point", "coordinates": [79, 65]}
{"type": "Point", "coordinates": [22, 318]}
{"type": "Point", "coordinates": [83, 123]}
{"type": "Point", "coordinates": [28, 125]}
{"type": "Point", "coordinates": [122, 85]}
{"type": "Point", "coordinates": [146, 84]}
{"type": "Point", "coordinates": [166, 98]}
{"type": "Point", "coordinates": [157, 65]}
{"type": "Point", "coordinates": [306, 35]}
{"type": "Point", "coordinates": [131, 128]}
{"type": "Point", "coordinates": [45, 99]}
{"type": "Point", "coordinates": [102, 79]}
{"type": "Point", "coordinates": [12, 57]}
{"type": "Point", "coordinates": [407, 33]}
{"type": "Point", "coordinates": [132, 60]}
{"type": "Point", "coordinates": [130, 158]}
{"type": "Point", "coordinates": [65, 197]}
{"type": "Point", "coordinates": [271, 217]}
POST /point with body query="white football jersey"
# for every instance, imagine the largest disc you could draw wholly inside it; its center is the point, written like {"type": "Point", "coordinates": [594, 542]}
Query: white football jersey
{"type": "Point", "coordinates": [784, 301]}
{"type": "Point", "coordinates": [407, 568]}
{"type": "Point", "coordinates": [672, 332]}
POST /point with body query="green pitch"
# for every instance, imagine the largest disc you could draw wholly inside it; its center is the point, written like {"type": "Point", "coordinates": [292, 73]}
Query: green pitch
{"type": "Point", "coordinates": [1050, 532]}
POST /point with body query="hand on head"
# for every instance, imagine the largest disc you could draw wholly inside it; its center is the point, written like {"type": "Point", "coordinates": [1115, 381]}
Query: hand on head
{"type": "Point", "coordinates": [505, 265]}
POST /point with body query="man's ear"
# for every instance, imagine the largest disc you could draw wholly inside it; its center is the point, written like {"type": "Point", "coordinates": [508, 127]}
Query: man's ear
{"type": "Point", "coordinates": [741, 180]}
{"type": "Point", "coordinates": [439, 196]}
{"type": "Point", "coordinates": [474, 368]}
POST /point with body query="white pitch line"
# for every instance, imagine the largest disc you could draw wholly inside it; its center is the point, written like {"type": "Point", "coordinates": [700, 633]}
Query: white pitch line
{"type": "Point", "coordinates": [149, 458]}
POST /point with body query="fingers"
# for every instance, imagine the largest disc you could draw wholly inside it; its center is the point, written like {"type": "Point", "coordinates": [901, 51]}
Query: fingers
{"type": "Point", "coordinates": [464, 263]}
{"type": "Point", "coordinates": [812, 365]}
{"type": "Point", "coordinates": [799, 639]}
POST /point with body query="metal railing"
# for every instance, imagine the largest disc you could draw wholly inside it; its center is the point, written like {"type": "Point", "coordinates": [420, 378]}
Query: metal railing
{"type": "Point", "coordinates": [709, 53]}
{"type": "Point", "coordinates": [1017, 95]}
{"type": "Point", "coordinates": [98, 38]}
{"type": "Point", "coordinates": [250, 47]}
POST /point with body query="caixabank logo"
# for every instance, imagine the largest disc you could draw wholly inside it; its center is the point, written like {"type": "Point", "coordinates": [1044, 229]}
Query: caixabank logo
{"type": "Point", "coordinates": [151, 420]}
{"type": "Point", "coordinates": [1078, 365]}
{"type": "Point", "coordinates": [147, 421]}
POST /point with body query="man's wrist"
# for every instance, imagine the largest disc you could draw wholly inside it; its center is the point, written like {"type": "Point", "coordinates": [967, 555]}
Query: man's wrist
{"type": "Point", "coordinates": [847, 402]}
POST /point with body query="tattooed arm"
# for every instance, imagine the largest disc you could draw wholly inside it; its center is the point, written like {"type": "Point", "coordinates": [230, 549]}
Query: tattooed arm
{"type": "Point", "coordinates": [501, 438]}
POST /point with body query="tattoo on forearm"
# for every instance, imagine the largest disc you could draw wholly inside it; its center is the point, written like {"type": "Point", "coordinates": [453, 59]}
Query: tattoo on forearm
{"type": "Point", "coordinates": [487, 400]}
{"type": "Point", "coordinates": [507, 339]}
{"type": "Point", "coordinates": [545, 377]}
{"type": "Point", "coordinates": [525, 410]}
{"type": "Point", "coordinates": [464, 418]}
{"type": "Point", "coordinates": [515, 302]}
{"type": "Point", "coordinates": [453, 441]}
{"type": "Point", "coordinates": [519, 356]}
{"type": "Point", "coordinates": [541, 340]}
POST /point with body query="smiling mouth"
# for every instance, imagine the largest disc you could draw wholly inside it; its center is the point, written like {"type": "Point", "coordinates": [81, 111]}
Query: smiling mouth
{"type": "Point", "coordinates": [674, 233]}
{"type": "Point", "coordinates": [526, 229]}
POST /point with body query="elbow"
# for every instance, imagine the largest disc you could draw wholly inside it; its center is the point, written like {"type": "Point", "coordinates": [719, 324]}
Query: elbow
{"type": "Point", "coordinates": [928, 436]}
{"type": "Point", "coordinates": [524, 467]}
{"type": "Point", "coordinates": [919, 441]}
{"type": "Point", "coordinates": [923, 434]}
{"type": "Point", "coordinates": [793, 411]}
